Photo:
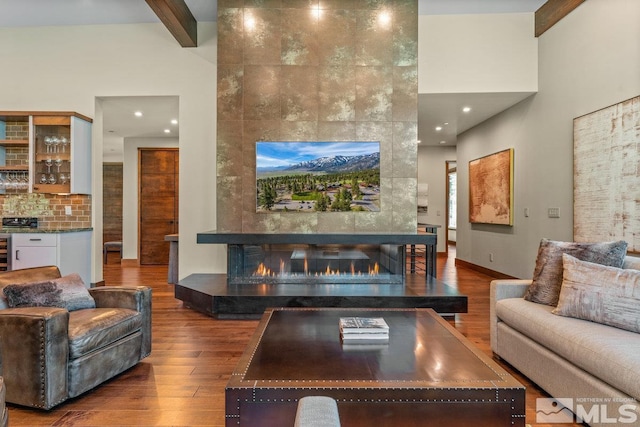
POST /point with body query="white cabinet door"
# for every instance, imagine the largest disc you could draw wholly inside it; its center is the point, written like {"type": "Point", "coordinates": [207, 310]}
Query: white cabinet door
{"type": "Point", "coordinates": [71, 252]}
{"type": "Point", "coordinates": [33, 250]}
{"type": "Point", "coordinates": [80, 156]}
{"type": "Point", "coordinates": [33, 256]}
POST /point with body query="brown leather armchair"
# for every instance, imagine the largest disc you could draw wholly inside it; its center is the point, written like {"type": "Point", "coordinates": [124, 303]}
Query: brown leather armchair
{"type": "Point", "coordinates": [4, 414]}
{"type": "Point", "coordinates": [51, 354]}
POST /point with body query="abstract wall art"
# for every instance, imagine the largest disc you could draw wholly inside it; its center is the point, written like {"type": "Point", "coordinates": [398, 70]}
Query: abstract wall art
{"type": "Point", "coordinates": [491, 189]}
{"type": "Point", "coordinates": [606, 194]}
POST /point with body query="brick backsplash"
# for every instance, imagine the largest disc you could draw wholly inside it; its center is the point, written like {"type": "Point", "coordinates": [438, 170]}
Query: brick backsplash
{"type": "Point", "coordinates": [17, 130]}
{"type": "Point", "coordinates": [50, 209]}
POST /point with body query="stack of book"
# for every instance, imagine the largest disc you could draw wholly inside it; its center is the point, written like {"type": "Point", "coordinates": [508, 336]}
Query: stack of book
{"type": "Point", "coordinates": [364, 330]}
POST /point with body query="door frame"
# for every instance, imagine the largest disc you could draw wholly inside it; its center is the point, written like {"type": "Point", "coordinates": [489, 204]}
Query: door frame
{"type": "Point", "coordinates": [448, 169]}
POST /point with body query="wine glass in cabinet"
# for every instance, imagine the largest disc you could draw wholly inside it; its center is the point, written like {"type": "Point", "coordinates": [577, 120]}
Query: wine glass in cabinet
{"type": "Point", "coordinates": [61, 148]}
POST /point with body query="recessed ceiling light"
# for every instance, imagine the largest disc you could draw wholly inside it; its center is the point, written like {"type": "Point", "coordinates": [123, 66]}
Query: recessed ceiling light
{"type": "Point", "coordinates": [438, 128]}
{"type": "Point", "coordinates": [419, 141]}
{"type": "Point", "coordinates": [443, 142]}
{"type": "Point", "coordinates": [466, 109]}
{"type": "Point", "coordinates": [138, 113]}
{"type": "Point", "coordinates": [174, 121]}
{"type": "Point", "coordinates": [446, 123]}
{"type": "Point", "coordinates": [167, 131]}
{"type": "Point", "coordinates": [384, 18]}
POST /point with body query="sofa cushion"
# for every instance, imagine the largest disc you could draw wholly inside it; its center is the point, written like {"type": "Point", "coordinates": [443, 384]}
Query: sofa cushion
{"type": "Point", "coordinates": [547, 275]}
{"type": "Point", "coordinates": [93, 329]}
{"type": "Point", "coordinates": [600, 294]}
{"type": "Point", "coordinates": [608, 353]}
{"type": "Point", "coordinates": [67, 292]}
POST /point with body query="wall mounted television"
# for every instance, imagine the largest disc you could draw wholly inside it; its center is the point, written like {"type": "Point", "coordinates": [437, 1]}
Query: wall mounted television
{"type": "Point", "coordinates": [317, 176]}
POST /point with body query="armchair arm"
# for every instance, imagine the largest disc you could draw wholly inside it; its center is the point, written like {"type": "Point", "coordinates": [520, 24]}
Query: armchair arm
{"type": "Point", "coordinates": [35, 353]}
{"type": "Point", "coordinates": [132, 297]}
{"type": "Point", "coordinates": [502, 289]}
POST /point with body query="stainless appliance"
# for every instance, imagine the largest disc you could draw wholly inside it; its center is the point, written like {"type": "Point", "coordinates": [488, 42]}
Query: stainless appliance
{"type": "Point", "coordinates": [19, 222]}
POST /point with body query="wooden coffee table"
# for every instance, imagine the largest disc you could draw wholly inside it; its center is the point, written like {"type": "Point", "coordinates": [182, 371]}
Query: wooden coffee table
{"type": "Point", "coordinates": [428, 374]}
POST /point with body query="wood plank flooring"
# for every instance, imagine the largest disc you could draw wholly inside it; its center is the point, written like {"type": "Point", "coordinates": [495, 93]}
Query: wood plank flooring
{"type": "Point", "coordinates": [182, 382]}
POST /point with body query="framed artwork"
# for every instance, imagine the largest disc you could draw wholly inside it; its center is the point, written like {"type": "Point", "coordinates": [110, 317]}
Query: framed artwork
{"type": "Point", "coordinates": [491, 189]}
{"type": "Point", "coordinates": [606, 194]}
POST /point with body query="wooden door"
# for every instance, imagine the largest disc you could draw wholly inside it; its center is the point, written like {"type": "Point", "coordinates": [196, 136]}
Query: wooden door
{"type": "Point", "coordinates": [158, 202]}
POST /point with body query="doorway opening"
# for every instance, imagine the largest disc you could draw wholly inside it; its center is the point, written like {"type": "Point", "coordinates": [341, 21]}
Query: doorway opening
{"type": "Point", "coordinates": [452, 204]}
{"type": "Point", "coordinates": [131, 123]}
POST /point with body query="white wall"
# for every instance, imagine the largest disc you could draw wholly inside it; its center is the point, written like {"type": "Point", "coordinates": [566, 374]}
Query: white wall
{"type": "Point", "coordinates": [589, 60]}
{"type": "Point", "coordinates": [115, 156]}
{"type": "Point", "coordinates": [469, 54]}
{"type": "Point", "coordinates": [66, 68]}
{"type": "Point", "coordinates": [477, 53]}
{"type": "Point", "coordinates": [432, 170]}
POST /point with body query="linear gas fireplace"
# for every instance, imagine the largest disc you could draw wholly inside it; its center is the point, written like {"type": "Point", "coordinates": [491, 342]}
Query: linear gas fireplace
{"type": "Point", "coordinates": [315, 263]}
{"type": "Point", "coordinates": [328, 258]}
{"type": "Point", "coordinates": [358, 270]}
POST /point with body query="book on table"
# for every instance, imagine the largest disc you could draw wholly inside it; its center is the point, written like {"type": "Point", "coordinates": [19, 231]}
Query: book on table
{"type": "Point", "coordinates": [364, 330]}
{"type": "Point", "coordinates": [369, 325]}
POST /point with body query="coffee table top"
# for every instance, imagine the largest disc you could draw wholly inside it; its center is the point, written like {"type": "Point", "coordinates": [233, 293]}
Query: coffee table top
{"type": "Point", "coordinates": [294, 347]}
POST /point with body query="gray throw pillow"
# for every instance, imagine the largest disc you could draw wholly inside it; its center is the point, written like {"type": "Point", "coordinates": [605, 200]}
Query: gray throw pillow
{"type": "Point", "coordinates": [66, 292]}
{"type": "Point", "coordinates": [601, 294]}
{"type": "Point", "coordinates": [547, 275]}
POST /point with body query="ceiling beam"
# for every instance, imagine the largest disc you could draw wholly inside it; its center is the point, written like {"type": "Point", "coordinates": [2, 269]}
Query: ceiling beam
{"type": "Point", "coordinates": [176, 16]}
{"type": "Point", "coordinates": [553, 11]}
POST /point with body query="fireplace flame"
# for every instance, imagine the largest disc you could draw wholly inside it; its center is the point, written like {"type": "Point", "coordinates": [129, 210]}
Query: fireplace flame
{"type": "Point", "coordinates": [375, 270]}
{"type": "Point", "coordinates": [264, 271]}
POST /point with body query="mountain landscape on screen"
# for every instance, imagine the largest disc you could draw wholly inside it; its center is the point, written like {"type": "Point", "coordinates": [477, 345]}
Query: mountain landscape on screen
{"type": "Point", "coordinates": [317, 176]}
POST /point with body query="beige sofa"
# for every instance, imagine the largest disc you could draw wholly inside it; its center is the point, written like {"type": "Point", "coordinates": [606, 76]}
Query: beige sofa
{"type": "Point", "coordinates": [51, 354]}
{"type": "Point", "coordinates": [588, 362]}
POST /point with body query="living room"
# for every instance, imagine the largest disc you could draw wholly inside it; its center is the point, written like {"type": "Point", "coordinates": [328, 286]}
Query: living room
{"type": "Point", "coordinates": [578, 71]}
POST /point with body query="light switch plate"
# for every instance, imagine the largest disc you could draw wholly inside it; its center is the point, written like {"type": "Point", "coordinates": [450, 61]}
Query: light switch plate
{"type": "Point", "coordinates": [553, 212]}
{"type": "Point", "coordinates": [67, 210]}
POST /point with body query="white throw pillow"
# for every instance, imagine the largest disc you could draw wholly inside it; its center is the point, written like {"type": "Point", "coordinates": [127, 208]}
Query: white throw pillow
{"type": "Point", "coordinates": [599, 293]}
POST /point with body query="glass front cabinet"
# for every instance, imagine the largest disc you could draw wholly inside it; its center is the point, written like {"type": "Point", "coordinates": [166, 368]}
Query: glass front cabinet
{"type": "Point", "coordinates": [58, 159]}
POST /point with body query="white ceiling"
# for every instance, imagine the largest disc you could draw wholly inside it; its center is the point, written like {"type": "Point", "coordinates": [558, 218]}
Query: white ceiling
{"type": "Point", "coordinates": [119, 121]}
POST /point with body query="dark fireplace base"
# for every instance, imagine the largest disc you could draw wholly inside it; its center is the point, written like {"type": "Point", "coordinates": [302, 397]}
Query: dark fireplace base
{"type": "Point", "coordinates": [210, 294]}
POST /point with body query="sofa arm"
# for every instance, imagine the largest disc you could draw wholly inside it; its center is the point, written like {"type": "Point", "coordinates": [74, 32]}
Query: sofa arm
{"type": "Point", "coordinates": [132, 297]}
{"type": "Point", "coordinates": [502, 289]}
{"type": "Point", "coordinates": [35, 354]}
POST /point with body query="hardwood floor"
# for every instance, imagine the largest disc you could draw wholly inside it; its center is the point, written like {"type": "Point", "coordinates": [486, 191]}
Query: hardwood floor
{"type": "Point", "coordinates": [182, 382]}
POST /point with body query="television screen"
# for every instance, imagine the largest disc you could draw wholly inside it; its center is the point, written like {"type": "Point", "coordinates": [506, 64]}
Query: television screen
{"type": "Point", "coordinates": [317, 176]}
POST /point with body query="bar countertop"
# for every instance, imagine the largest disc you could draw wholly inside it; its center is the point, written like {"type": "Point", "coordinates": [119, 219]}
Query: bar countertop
{"type": "Point", "coordinates": [16, 230]}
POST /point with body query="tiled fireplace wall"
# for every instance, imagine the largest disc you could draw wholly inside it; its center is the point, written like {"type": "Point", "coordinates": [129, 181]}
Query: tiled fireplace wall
{"type": "Point", "coordinates": [309, 70]}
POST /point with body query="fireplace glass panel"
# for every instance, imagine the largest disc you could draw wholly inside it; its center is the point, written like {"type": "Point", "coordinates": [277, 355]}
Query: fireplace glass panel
{"type": "Point", "coordinates": [310, 264]}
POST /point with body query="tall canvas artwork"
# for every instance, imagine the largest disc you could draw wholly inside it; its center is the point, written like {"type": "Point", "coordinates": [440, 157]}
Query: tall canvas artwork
{"type": "Point", "coordinates": [491, 189]}
{"type": "Point", "coordinates": [607, 174]}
